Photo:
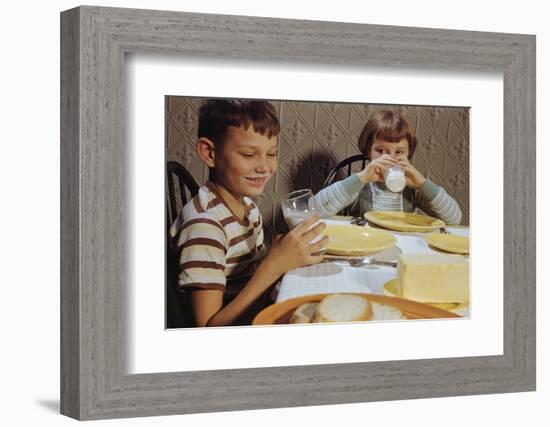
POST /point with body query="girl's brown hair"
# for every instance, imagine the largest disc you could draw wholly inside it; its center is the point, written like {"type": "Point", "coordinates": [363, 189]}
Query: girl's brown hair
{"type": "Point", "coordinates": [216, 115]}
{"type": "Point", "coordinates": [386, 125]}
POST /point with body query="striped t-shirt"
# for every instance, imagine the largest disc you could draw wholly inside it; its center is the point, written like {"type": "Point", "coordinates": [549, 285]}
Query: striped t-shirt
{"type": "Point", "coordinates": [216, 249]}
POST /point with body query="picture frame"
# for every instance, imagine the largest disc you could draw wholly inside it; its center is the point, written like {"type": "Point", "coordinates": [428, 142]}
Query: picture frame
{"type": "Point", "coordinates": [94, 236]}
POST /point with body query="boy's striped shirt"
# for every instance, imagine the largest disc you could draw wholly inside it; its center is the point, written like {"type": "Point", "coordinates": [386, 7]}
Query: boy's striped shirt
{"type": "Point", "coordinates": [213, 245]}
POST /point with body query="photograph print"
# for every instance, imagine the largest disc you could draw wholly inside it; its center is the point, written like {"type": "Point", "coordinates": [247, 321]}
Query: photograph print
{"type": "Point", "coordinates": [301, 212]}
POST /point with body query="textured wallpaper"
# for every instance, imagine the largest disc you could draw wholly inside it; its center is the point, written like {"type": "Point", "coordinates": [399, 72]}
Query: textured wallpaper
{"type": "Point", "coordinates": [315, 136]}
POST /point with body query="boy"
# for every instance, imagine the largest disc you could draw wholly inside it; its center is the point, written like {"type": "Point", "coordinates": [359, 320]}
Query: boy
{"type": "Point", "coordinates": [219, 232]}
{"type": "Point", "coordinates": [388, 140]}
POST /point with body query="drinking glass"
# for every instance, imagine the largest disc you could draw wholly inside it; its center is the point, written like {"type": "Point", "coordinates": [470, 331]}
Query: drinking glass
{"type": "Point", "coordinates": [395, 179]}
{"type": "Point", "coordinates": [297, 207]}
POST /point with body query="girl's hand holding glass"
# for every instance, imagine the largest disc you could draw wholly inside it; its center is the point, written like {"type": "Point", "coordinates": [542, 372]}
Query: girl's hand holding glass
{"type": "Point", "coordinates": [413, 177]}
{"type": "Point", "coordinates": [376, 169]}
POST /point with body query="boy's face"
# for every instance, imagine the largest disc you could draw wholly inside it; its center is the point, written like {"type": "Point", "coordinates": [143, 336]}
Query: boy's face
{"type": "Point", "coordinates": [399, 150]}
{"type": "Point", "coordinates": [245, 161]}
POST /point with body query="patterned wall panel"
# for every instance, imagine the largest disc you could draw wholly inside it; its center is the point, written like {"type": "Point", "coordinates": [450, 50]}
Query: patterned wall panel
{"type": "Point", "coordinates": [315, 136]}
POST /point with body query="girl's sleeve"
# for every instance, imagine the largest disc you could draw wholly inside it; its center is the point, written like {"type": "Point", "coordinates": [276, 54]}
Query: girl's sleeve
{"type": "Point", "coordinates": [435, 201]}
{"type": "Point", "coordinates": [332, 199]}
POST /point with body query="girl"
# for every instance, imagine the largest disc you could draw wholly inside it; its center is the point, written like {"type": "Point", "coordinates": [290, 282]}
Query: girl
{"type": "Point", "coordinates": [387, 140]}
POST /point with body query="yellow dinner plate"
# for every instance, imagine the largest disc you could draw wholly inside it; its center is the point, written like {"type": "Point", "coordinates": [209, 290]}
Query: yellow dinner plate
{"type": "Point", "coordinates": [402, 221]}
{"type": "Point", "coordinates": [390, 289]}
{"type": "Point", "coordinates": [354, 240]}
{"type": "Point", "coordinates": [449, 243]}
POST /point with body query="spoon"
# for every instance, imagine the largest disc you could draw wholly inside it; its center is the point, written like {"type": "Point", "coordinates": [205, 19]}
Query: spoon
{"type": "Point", "coordinates": [368, 261]}
{"type": "Point", "coordinates": [361, 262]}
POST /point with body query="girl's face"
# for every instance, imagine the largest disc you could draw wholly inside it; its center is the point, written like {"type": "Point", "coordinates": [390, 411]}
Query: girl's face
{"type": "Point", "coordinates": [399, 150]}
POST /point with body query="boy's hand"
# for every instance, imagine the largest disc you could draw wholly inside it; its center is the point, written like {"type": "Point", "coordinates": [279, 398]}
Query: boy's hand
{"type": "Point", "coordinates": [413, 177]}
{"type": "Point", "coordinates": [294, 250]}
{"type": "Point", "coordinates": [376, 168]}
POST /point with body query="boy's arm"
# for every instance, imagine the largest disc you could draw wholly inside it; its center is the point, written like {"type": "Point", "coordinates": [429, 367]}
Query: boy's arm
{"type": "Point", "coordinates": [332, 199]}
{"type": "Point", "coordinates": [202, 246]}
{"type": "Point", "coordinates": [437, 202]}
{"type": "Point", "coordinates": [207, 304]}
{"type": "Point", "coordinates": [202, 262]}
{"type": "Point", "coordinates": [291, 251]}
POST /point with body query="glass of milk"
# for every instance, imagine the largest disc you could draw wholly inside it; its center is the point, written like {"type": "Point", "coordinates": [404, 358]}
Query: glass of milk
{"type": "Point", "coordinates": [395, 179]}
{"type": "Point", "coordinates": [297, 207]}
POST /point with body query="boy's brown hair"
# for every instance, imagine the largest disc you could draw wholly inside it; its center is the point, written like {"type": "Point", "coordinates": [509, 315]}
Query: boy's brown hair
{"type": "Point", "coordinates": [216, 115]}
{"type": "Point", "coordinates": [386, 125]}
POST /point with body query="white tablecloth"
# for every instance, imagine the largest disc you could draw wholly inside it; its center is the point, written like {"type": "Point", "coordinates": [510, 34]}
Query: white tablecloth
{"type": "Point", "coordinates": [336, 276]}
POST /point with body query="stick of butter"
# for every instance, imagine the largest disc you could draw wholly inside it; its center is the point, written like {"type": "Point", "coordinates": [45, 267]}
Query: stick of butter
{"type": "Point", "coordinates": [433, 278]}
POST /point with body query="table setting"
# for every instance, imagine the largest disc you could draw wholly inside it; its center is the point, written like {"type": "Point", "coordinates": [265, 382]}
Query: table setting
{"type": "Point", "coordinates": [365, 256]}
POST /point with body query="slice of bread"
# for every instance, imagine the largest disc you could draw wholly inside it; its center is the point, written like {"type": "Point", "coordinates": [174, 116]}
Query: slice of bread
{"type": "Point", "coordinates": [386, 312]}
{"type": "Point", "coordinates": [343, 308]}
{"type": "Point", "coordinates": [304, 313]}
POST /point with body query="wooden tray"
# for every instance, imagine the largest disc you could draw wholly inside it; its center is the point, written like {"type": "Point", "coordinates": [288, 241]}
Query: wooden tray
{"type": "Point", "coordinates": [279, 314]}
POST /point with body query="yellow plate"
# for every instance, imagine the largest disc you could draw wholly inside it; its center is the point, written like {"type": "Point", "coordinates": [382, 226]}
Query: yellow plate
{"type": "Point", "coordinates": [390, 289]}
{"type": "Point", "coordinates": [402, 221]}
{"type": "Point", "coordinates": [356, 240]}
{"type": "Point", "coordinates": [449, 243]}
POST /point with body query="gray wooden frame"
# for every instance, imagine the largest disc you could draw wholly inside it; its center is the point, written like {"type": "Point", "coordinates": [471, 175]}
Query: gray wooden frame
{"type": "Point", "coordinates": [94, 383]}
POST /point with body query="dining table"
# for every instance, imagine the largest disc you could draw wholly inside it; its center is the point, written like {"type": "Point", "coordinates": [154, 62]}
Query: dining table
{"type": "Point", "coordinates": [338, 274]}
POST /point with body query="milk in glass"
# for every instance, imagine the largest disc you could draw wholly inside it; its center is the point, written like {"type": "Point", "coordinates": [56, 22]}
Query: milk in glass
{"type": "Point", "coordinates": [297, 207]}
